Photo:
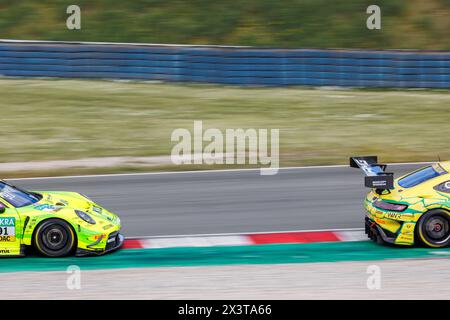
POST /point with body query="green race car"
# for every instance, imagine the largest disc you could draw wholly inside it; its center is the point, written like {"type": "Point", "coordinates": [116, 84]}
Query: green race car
{"type": "Point", "coordinates": [55, 223]}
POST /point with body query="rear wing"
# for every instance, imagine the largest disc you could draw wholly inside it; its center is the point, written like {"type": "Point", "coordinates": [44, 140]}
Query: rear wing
{"type": "Point", "coordinates": [376, 177]}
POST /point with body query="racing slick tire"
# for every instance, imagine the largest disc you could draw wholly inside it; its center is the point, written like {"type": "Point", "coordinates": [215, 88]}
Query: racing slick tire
{"type": "Point", "coordinates": [433, 228]}
{"type": "Point", "coordinates": [54, 238]}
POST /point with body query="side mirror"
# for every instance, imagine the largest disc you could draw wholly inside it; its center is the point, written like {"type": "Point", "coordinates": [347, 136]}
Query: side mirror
{"type": "Point", "coordinates": [2, 210]}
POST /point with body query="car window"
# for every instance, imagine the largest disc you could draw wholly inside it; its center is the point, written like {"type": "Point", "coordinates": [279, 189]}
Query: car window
{"type": "Point", "coordinates": [16, 197]}
{"type": "Point", "coordinates": [420, 176]}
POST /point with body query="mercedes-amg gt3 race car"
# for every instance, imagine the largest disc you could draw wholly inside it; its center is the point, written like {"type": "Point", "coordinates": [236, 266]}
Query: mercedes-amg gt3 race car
{"type": "Point", "coordinates": [56, 224]}
{"type": "Point", "coordinates": [413, 209]}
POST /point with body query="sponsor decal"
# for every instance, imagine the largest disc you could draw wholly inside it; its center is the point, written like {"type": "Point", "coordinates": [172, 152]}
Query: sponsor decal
{"type": "Point", "coordinates": [7, 229]}
{"type": "Point", "coordinates": [63, 202]}
{"type": "Point", "coordinates": [408, 228]}
{"type": "Point", "coordinates": [380, 183]}
{"type": "Point", "coordinates": [97, 209]}
{"type": "Point", "coordinates": [395, 216]}
{"type": "Point", "coordinates": [47, 208]}
{"type": "Point", "coordinates": [399, 216]}
{"type": "Point", "coordinates": [99, 236]}
{"type": "Point", "coordinates": [407, 238]}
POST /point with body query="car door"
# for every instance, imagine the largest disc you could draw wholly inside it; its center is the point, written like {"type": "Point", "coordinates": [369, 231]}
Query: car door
{"type": "Point", "coordinates": [10, 230]}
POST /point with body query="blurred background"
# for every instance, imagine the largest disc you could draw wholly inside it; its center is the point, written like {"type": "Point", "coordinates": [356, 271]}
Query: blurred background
{"type": "Point", "coordinates": [406, 24]}
{"type": "Point", "coordinates": [65, 102]}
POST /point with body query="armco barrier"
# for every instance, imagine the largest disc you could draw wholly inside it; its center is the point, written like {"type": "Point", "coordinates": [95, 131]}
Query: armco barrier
{"type": "Point", "coordinates": [226, 65]}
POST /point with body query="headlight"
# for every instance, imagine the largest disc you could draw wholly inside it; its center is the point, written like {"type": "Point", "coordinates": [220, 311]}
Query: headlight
{"type": "Point", "coordinates": [84, 216]}
{"type": "Point", "coordinates": [390, 206]}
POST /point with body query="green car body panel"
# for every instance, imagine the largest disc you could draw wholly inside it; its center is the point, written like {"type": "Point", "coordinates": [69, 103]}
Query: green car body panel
{"type": "Point", "coordinates": [18, 225]}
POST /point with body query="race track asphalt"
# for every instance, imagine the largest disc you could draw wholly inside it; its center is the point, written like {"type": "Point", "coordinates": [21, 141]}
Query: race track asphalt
{"type": "Point", "coordinates": [225, 201]}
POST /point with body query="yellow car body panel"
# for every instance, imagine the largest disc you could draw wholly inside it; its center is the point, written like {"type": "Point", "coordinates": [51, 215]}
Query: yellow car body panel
{"type": "Point", "coordinates": [18, 224]}
{"type": "Point", "coordinates": [400, 227]}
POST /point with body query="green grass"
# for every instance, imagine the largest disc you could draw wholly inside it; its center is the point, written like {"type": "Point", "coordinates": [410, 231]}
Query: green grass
{"type": "Point", "coordinates": [73, 119]}
{"type": "Point", "coordinates": [413, 24]}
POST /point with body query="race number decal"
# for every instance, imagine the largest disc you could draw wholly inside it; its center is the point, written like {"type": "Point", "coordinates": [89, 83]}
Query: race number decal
{"type": "Point", "coordinates": [7, 229]}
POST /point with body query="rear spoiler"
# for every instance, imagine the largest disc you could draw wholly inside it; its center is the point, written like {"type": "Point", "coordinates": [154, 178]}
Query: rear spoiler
{"type": "Point", "coordinates": [376, 177]}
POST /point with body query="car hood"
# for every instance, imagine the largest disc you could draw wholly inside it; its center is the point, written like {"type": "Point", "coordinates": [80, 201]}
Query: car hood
{"type": "Point", "coordinates": [75, 201]}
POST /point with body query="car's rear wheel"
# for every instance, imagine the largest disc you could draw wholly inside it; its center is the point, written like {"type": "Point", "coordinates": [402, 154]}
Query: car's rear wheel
{"type": "Point", "coordinates": [54, 238]}
{"type": "Point", "coordinates": [433, 228]}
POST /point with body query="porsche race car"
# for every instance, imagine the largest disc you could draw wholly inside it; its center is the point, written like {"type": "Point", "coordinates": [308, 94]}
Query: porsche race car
{"type": "Point", "coordinates": [55, 224]}
{"type": "Point", "coordinates": [411, 210]}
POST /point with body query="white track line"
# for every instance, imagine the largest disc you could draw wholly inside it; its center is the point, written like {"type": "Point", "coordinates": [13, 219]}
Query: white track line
{"type": "Point", "coordinates": [138, 44]}
{"type": "Point", "coordinates": [201, 171]}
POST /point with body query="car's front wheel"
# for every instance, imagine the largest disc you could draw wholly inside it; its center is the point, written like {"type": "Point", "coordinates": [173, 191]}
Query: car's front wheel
{"type": "Point", "coordinates": [433, 228]}
{"type": "Point", "coordinates": [54, 238]}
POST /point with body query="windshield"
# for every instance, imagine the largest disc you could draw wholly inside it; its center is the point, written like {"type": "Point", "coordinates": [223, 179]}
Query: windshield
{"type": "Point", "coordinates": [420, 176]}
{"type": "Point", "coordinates": [18, 198]}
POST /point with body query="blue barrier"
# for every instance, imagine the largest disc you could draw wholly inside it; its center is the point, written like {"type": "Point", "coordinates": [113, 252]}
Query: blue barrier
{"type": "Point", "coordinates": [227, 65]}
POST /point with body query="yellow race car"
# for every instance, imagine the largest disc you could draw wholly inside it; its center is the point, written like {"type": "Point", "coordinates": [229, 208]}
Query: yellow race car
{"type": "Point", "coordinates": [413, 209]}
{"type": "Point", "coordinates": [55, 223]}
